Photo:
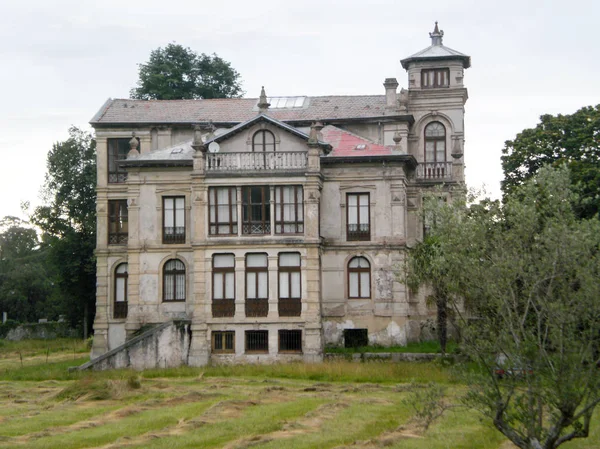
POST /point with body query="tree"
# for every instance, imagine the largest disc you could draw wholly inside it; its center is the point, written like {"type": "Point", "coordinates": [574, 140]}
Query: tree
{"type": "Point", "coordinates": [179, 73]}
{"type": "Point", "coordinates": [68, 221]}
{"type": "Point", "coordinates": [528, 271]}
{"type": "Point", "coordinates": [571, 139]}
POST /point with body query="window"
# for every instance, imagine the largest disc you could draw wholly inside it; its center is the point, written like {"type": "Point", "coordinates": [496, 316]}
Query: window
{"type": "Point", "coordinates": [359, 278]}
{"type": "Point", "coordinates": [223, 342]}
{"type": "Point", "coordinates": [223, 285]}
{"type": "Point", "coordinates": [432, 78]}
{"type": "Point", "coordinates": [290, 284]}
{"type": "Point", "coordinates": [223, 210]}
{"type": "Point", "coordinates": [290, 341]}
{"type": "Point", "coordinates": [257, 341]}
{"type": "Point", "coordinates": [174, 281]}
{"type": "Point", "coordinates": [117, 151]}
{"type": "Point", "coordinates": [257, 285]}
{"type": "Point", "coordinates": [358, 212]}
{"type": "Point", "coordinates": [256, 210]}
{"type": "Point", "coordinates": [435, 142]}
{"type": "Point", "coordinates": [117, 222]}
{"type": "Point", "coordinates": [120, 298]}
{"type": "Point", "coordinates": [289, 213]}
{"type": "Point", "coordinates": [263, 140]}
{"type": "Point", "coordinates": [174, 219]}
{"type": "Point", "coordinates": [355, 338]}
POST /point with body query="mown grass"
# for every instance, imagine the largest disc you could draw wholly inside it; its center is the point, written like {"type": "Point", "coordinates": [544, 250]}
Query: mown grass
{"type": "Point", "coordinates": [426, 347]}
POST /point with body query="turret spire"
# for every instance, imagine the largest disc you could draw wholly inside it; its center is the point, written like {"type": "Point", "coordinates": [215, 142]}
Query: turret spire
{"type": "Point", "coordinates": [263, 104]}
{"type": "Point", "coordinates": [436, 36]}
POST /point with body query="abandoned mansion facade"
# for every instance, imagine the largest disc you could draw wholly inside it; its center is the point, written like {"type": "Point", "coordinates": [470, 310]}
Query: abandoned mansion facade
{"type": "Point", "coordinates": [273, 227]}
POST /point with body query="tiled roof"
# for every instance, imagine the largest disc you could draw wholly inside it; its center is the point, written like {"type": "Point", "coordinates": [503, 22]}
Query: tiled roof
{"type": "Point", "coordinates": [235, 110]}
{"type": "Point", "coordinates": [434, 52]}
{"type": "Point", "coordinates": [345, 143]}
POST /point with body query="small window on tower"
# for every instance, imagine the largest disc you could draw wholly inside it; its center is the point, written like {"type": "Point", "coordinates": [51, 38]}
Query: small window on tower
{"type": "Point", "coordinates": [432, 78]}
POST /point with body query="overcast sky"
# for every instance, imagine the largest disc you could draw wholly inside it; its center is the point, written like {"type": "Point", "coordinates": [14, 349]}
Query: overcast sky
{"type": "Point", "coordinates": [62, 59]}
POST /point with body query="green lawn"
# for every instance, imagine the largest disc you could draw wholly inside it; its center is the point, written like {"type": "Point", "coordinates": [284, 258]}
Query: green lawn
{"type": "Point", "coordinates": [331, 405]}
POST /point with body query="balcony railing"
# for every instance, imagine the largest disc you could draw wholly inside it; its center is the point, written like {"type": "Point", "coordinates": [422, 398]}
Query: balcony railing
{"type": "Point", "coordinates": [290, 307]}
{"type": "Point", "coordinates": [174, 234]}
{"type": "Point", "coordinates": [223, 308]}
{"type": "Point", "coordinates": [284, 160]}
{"type": "Point", "coordinates": [257, 307]}
{"type": "Point", "coordinates": [434, 171]}
{"type": "Point", "coordinates": [120, 309]}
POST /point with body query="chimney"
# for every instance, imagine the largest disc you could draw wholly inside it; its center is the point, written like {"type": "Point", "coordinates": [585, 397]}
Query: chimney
{"type": "Point", "coordinates": [390, 84]}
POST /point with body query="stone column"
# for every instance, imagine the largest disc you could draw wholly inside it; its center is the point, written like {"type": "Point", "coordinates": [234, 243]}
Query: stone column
{"type": "Point", "coordinates": [100, 344]}
{"type": "Point", "coordinates": [240, 292]}
{"type": "Point", "coordinates": [313, 338]}
{"type": "Point", "coordinates": [273, 287]}
{"type": "Point", "coordinates": [101, 162]}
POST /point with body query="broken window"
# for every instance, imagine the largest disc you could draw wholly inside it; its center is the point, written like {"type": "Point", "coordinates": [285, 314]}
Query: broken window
{"type": "Point", "coordinates": [117, 151]}
{"type": "Point", "coordinates": [117, 222]}
{"type": "Point", "coordinates": [355, 338]}
{"type": "Point", "coordinates": [174, 219]}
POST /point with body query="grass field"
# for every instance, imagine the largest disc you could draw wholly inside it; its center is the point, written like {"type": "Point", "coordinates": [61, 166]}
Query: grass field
{"type": "Point", "coordinates": [330, 405]}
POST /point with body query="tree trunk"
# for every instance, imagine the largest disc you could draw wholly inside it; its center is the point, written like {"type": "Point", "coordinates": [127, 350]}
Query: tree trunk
{"type": "Point", "coordinates": [442, 322]}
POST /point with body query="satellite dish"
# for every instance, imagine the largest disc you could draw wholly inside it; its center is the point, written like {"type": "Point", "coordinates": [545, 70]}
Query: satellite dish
{"type": "Point", "coordinates": [213, 147]}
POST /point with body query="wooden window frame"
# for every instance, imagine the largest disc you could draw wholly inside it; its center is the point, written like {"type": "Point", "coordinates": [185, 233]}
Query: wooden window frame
{"type": "Point", "coordinates": [233, 224]}
{"type": "Point", "coordinates": [115, 216]}
{"type": "Point", "coordinates": [256, 307]}
{"type": "Point", "coordinates": [436, 72]}
{"type": "Point", "coordinates": [262, 146]}
{"type": "Point", "coordinates": [175, 237]}
{"type": "Point", "coordinates": [222, 336]}
{"type": "Point", "coordinates": [358, 236]}
{"type": "Point", "coordinates": [256, 351]}
{"type": "Point", "coordinates": [279, 203]}
{"type": "Point", "coordinates": [174, 273]}
{"type": "Point", "coordinates": [358, 271]}
{"type": "Point", "coordinates": [265, 223]}
{"type": "Point", "coordinates": [297, 338]}
{"type": "Point", "coordinates": [223, 307]}
{"type": "Point", "coordinates": [117, 175]}
{"type": "Point", "coordinates": [290, 306]}
{"type": "Point", "coordinates": [435, 140]}
{"type": "Point", "coordinates": [120, 312]}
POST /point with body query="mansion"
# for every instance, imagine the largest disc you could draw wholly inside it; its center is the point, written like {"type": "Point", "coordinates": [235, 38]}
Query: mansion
{"type": "Point", "coordinates": [273, 226]}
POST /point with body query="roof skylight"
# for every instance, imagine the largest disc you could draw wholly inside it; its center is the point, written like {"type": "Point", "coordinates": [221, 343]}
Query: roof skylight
{"type": "Point", "coordinates": [286, 102]}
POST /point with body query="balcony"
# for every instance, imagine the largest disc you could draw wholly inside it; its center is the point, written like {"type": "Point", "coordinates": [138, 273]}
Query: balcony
{"type": "Point", "coordinates": [174, 234]}
{"type": "Point", "coordinates": [434, 171]}
{"type": "Point", "coordinates": [290, 307]}
{"type": "Point", "coordinates": [222, 308]}
{"type": "Point", "coordinates": [257, 307]}
{"type": "Point", "coordinates": [247, 161]}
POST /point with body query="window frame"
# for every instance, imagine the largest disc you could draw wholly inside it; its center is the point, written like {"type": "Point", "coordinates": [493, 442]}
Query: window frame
{"type": "Point", "coordinates": [358, 271]}
{"type": "Point", "coordinates": [435, 140]}
{"type": "Point", "coordinates": [298, 224]}
{"type": "Point", "coordinates": [223, 303]}
{"type": "Point", "coordinates": [232, 204]}
{"type": "Point", "coordinates": [222, 335]}
{"type": "Point", "coordinates": [358, 236]}
{"type": "Point", "coordinates": [115, 215]}
{"type": "Point", "coordinates": [122, 314]}
{"type": "Point", "coordinates": [263, 145]}
{"type": "Point", "coordinates": [257, 332]}
{"type": "Point", "coordinates": [290, 306]}
{"type": "Point", "coordinates": [296, 338]}
{"type": "Point", "coordinates": [444, 72]}
{"type": "Point", "coordinates": [166, 272]}
{"type": "Point", "coordinates": [247, 205]}
{"type": "Point", "coordinates": [118, 175]}
{"type": "Point", "coordinates": [256, 306]}
{"type": "Point", "coordinates": [175, 237]}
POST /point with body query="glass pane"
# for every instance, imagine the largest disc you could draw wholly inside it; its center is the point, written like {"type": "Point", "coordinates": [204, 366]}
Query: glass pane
{"type": "Point", "coordinates": [218, 285]}
{"type": "Point", "coordinates": [169, 218]}
{"type": "Point", "coordinates": [224, 214]}
{"type": "Point", "coordinates": [229, 285]}
{"type": "Point", "coordinates": [122, 268]}
{"type": "Point", "coordinates": [223, 260]}
{"type": "Point", "coordinates": [364, 215]}
{"type": "Point", "coordinates": [169, 287]}
{"type": "Point", "coordinates": [441, 151]}
{"type": "Point", "coordinates": [299, 102]}
{"type": "Point", "coordinates": [352, 200]}
{"type": "Point", "coordinates": [352, 215]}
{"type": "Point", "coordinates": [180, 287]}
{"type": "Point", "coordinates": [168, 203]}
{"type": "Point", "coordinates": [429, 151]}
{"type": "Point", "coordinates": [296, 287]}
{"type": "Point", "coordinates": [289, 260]}
{"type": "Point", "coordinates": [251, 285]}
{"type": "Point", "coordinates": [218, 337]}
{"type": "Point", "coordinates": [120, 296]}
{"type": "Point", "coordinates": [256, 260]}
{"type": "Point", "coordinates": [284, 285]}
{"type": "Point", "coordinates": [353, 287]}
{"type": "Point", "coordinates": [365, 285]}
{"type": "Point", "coordinates": [263, 287]}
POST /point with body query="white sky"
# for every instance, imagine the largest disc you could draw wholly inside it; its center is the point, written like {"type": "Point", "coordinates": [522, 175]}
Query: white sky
{"type": "Point", "coordinates": [62, 59]}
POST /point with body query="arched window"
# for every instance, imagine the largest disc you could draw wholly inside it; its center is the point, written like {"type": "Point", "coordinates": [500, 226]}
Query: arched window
{"type": "Point", "coordinates": [263, 140]}
{"type": "Point", "coordinates": [174, 281]}
{"type": "Point", "coordinates": [120, 297]}
{"type": "Point", "coordinates": [435, 142]}
{"type": "Point", "coordinates": [359, 278]}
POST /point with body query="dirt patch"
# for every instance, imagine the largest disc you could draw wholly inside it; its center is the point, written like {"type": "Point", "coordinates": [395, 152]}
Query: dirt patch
{"type": "Point", "coordinates": [386, 439]}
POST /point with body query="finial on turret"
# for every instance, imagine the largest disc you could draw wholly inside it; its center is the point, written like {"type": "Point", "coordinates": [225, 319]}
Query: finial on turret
{"type": "Point", "coordinates": [263, 104]}
{"type": "Point", "coordinates": [436, 36]}
{"type": "Point", "coordinates": [133, 147]}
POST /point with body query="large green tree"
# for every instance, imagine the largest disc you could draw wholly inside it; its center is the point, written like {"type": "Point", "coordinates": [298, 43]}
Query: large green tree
{"type": "Point", "coordinates": [528, 270]}
{"type": "Point", "coordinates": [177, 73]}
{"type": "Point", "coordinates": [68, 222]}
{"type": "Point", "coordinates": [572, 139]}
